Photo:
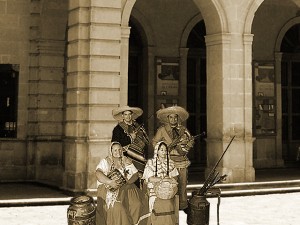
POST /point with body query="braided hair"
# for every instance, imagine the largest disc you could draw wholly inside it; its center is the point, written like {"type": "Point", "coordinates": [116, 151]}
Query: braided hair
{"type": "Point", "coordinates": [160, 144]}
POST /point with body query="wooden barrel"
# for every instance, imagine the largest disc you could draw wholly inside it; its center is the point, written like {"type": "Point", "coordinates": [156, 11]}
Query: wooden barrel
{"type": "Point", "coordinates": [82, 211]}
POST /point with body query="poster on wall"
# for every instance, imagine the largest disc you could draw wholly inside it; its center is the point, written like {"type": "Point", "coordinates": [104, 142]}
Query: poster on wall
{"type": "Point", "coordinates": [164, 103]}
{"type": "Point", "coordinates": [167, 76]}
{"type": "Point", "coordinates": [264, 79]}
{"type": "Point", "coordinates": [264, 98]}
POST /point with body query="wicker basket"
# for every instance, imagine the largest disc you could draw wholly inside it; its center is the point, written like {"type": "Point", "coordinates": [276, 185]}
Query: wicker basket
{"type": "Point", "coordinates": [166, 188]}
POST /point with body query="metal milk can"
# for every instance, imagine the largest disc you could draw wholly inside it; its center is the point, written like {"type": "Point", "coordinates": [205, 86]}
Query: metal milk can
{"type": "Point", "coordinates": [198, 210]}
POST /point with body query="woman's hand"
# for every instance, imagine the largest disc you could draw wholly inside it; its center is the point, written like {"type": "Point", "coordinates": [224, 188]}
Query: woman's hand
{"type": "Point", "coordinates": [113, 183]}
{"type": "Point", "coordinates": [105, 180]}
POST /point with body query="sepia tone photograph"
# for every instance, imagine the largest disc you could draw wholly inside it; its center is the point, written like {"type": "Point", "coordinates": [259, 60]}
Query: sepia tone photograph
{"type": "Point", "coordinates": [149, 112]}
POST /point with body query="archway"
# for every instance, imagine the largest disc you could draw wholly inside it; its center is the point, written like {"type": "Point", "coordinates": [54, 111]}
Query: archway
{"type": "Point", "coordinates": [196, 91]}
{"type": "Point", "coordinates": [290, 93]}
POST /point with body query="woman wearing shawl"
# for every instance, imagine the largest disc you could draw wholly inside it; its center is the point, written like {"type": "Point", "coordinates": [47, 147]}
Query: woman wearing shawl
{"type": "Point", "coordinates": [163, 211]}
{"type": "Point", "coordinates": [119, 201]}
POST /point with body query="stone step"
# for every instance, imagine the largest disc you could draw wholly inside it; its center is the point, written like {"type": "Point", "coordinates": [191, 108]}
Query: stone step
{"type": "Point", "coordinates": [252, 188]}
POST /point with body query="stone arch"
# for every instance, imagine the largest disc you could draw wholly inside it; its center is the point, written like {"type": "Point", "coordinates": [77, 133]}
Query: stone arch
{"type": "Point", "coordinates": [187, 30]}
{"type": "Point", "coordinates": [141, 22]}
{"type": "Point", "coordinates": [144, 27]}
{"type": "Point", "coordinates": [214, 16]}
{"type": "Point", "coordinates": [127, 12]}
{"type": "Point", "coordinates": [283, 31]}
{"type": "Point", "coordinates": [250, 15]}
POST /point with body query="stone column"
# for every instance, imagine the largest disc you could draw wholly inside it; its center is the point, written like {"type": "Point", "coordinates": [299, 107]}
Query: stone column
{"type": "Point", "coordinates": [125, 32]}
{"type": "Point", "coordinates": [228, 98]}
{"type": "Point", "coordinates": [46, 92]}
{"type": "Point", "coordinates": [93, 88]}
{"type": "Point", "coordinates": [278, 155]}
{"type": "Point", "coordinates": [248, 92]}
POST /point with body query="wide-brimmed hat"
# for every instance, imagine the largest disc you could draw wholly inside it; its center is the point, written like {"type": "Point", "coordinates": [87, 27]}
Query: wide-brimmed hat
{"type": "Point", "coordinates": [163, 114]}
{"type": "Point", "coordinates": [117, 113]}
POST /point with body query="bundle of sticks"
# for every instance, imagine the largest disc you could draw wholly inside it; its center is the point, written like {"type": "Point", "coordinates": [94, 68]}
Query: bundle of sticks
{"type": "Point", "coordinates": [214, 177]}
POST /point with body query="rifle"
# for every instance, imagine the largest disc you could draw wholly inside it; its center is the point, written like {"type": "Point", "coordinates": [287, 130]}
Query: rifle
{"type": "Point", "coordinates": [176, 141]}
{"type": "Point", "coordinates": [199, 135]}
{"type": "Point", "coordinates": [138, 128]}
{"type": "Point", "coordinates": [212, 179]}
{"type": "Point", "coordinates": [144, 132]}
{"type": "Point", "coordinates": [141, 125]}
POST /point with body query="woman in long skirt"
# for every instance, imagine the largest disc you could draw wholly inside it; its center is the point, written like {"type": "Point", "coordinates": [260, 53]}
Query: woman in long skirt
{"type": "Point", "coordinates": [119, 201]}
{"type": "Point", "coordinates": [158, 169]}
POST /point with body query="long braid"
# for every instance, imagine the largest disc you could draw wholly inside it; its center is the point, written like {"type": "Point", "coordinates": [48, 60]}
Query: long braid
{"type": "Point", "coordinates": [156, 165]}
{"type": "Point", "coordinates": [167, 161]}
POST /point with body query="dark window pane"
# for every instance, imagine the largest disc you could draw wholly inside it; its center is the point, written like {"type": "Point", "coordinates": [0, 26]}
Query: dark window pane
{"type": "Point", "coordinates": [203, 126]}
{"type": "Point", "coordinates": [296, 100]}
{"type": "Point", "coordinates": [296, 128]}
{"type": "Point", "coordinates": [284, 128]}
{"type": "Point", "coordinates": [133, 68]}
{"type": "Point", "coordinates": [284, 74]}
{"type": "Point", "coordinates": [191, 96]}
{"type": "Point", "coordinates": [203, 100]}
{"type": "Point", "coordinates": [191, 124]}
{"type": "Point", "coordinates": [290, 42]}
{"type": "Point", "coordinates": [196, 38]}
{"type": "Point", "coordinates": [191, 71]}
{"type": "Point", "coordinates": [203, 72]}
{"type": "Point", "coordinates": [284, 96]}
{"type": "Point", "coordinates": [295, 74]}
{"type": "Point", "coordinates": [8, 99]}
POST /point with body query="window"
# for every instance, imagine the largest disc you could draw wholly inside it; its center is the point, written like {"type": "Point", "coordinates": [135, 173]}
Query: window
{"type": "Point", "coordinates": [9, 75]}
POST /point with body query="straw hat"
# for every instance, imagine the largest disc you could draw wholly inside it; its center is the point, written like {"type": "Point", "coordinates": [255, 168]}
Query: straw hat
{"type": "Point", "coordinates": [117, 113]}
{"type": "Point", "coordinates": [163, 114]}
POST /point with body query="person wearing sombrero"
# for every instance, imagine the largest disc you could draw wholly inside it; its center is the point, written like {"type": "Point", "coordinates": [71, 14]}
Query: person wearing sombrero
{"type": "Point", "coordinates": [130, 134]}
{"type": "Point", "coordinates": [179, 141]}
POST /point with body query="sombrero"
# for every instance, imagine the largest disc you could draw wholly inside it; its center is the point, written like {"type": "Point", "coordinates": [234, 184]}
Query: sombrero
{"type": "Point", "coordinates": [117, 113]}
{"type": "Point", "coordinates": [163, 114]}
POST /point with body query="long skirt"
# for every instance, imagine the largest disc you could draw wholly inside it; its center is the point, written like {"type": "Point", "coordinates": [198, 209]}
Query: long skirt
{"type": "Point", "coordinates": [164, 212]}
{"type": "Point", "coordinates": [130, 207]}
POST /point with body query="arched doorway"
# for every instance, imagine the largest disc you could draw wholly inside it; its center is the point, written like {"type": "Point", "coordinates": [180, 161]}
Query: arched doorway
{"type": "Point", "coordinates": [135, 68]}
{"type": "Point", "coordinates": [196, 93]}
{"type": "Point", "coordinates": [290, 89]}
{"type": "Point", "coordinates": [137, 80]}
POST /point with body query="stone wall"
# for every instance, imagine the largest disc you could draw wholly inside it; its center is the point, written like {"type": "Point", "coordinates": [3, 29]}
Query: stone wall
{"type": "Point", "coordinates": [34, 37]}
{"type": "Point", "coordinates": [14, 49]}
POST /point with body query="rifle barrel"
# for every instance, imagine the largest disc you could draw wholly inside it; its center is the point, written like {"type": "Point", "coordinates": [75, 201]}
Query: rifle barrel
{"type": "Point", "coordinates": [212, 172]}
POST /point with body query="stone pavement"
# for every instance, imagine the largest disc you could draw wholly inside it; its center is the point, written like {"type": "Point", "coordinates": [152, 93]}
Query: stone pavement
{"type": "Point", "coordinates": [273, 209]}
{"type": "Point", "coordinates": [253, 203]}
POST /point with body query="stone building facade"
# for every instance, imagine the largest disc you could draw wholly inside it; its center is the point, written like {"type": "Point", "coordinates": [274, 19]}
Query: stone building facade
{"type": "Point", "coordinates": [236, 67]}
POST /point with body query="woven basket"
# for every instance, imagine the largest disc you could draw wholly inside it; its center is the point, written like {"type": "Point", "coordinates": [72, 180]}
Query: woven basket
{"type": "Point", "coordinates": [166, 188]}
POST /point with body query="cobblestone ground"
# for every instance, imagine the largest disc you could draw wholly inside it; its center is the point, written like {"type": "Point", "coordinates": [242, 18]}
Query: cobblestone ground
{"type": "Point", "coordinates": [275, 209]}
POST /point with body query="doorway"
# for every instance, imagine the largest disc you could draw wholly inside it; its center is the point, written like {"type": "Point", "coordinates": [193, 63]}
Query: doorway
{"type": "Point", "coordinates": [196, 94]}
{"type": "Point", "coordinates": [290, 89]}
